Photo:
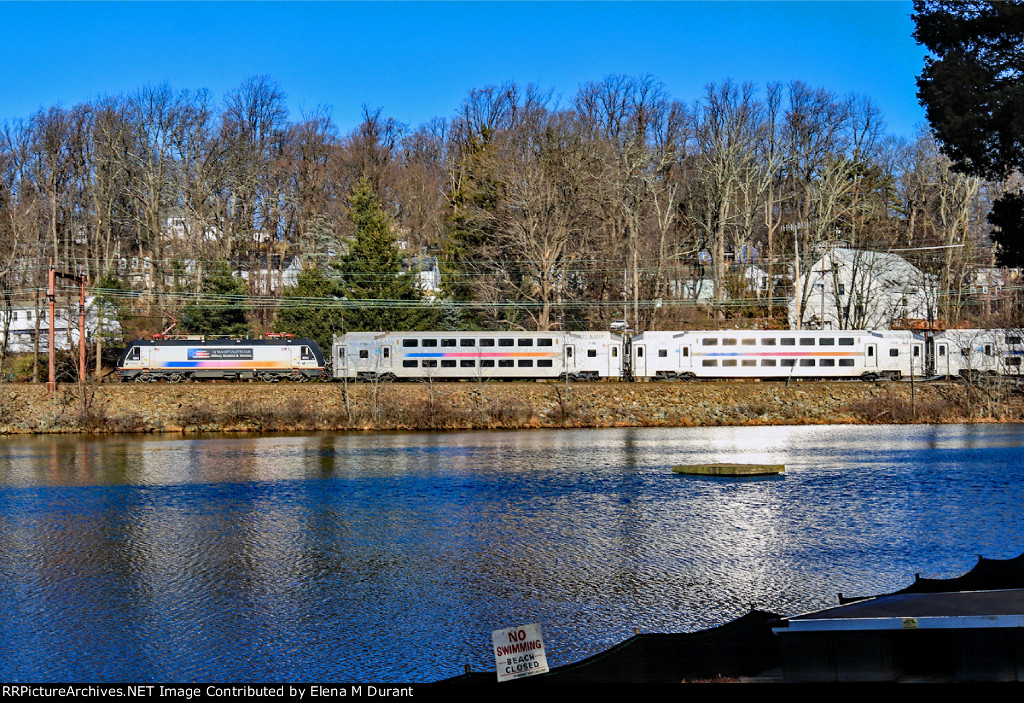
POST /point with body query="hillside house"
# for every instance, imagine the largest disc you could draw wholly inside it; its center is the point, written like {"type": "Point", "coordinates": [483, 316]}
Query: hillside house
{"type": "Point", "coordinates": [859, 289]}
{"type": "Point", "coordinates": [18, 326]}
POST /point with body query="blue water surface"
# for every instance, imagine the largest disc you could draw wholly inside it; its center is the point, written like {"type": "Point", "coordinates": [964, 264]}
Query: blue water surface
{"type": "Point", "coordinates": [392, 557]}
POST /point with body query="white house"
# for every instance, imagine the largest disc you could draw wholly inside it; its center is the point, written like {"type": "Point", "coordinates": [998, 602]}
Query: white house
{"type": "Point", "coordinates": [19, 332]}
{"type": "Point", "coordinates": [273, 274]}
{"type": "Point", "coordinates": [428, 275]}
{"type": "Point", "coordinates": [858, 289]}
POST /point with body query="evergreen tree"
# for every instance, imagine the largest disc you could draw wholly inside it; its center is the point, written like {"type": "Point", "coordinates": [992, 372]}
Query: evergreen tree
{"type": "Point", "coordinates": [470, 225]}
{"type": "Point", "coordinates": [972, 88]}
{"type": "Point", "coordinates": [973, 95]}
{"type": "Point", "coordinates": [1007, 217]}
{"type": "Point", "coordinates": [371, 271]}
{"type": "Point", "coordinates": [220, 309]}
{"type": "Point", "coordinates": [304, 311]}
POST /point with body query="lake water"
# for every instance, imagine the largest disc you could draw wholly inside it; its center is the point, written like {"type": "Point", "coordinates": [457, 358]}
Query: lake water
{"type": "Point", "coordinates": [392, 557]}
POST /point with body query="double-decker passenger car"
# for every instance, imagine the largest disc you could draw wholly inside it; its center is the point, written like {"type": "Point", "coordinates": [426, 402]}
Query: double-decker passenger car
{"type": "Point", "coordinates": [178, 360]}
{"type": "Point", "coordinates": [975, 352]}
{"type": "Point", "coordinates": [777, 354]}
{"type": "Point", "coordinates": [477, 355]}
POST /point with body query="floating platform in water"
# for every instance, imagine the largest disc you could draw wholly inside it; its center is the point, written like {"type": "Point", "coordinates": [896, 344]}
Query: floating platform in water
{"type": "Point", "coordinates": [730, 469]}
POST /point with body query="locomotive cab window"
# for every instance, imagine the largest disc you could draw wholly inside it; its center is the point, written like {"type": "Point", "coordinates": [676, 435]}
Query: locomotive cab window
{"type": "Point", "coordinates": [363, 354]}
{"type": "Point", "coordinates": [135, 354]}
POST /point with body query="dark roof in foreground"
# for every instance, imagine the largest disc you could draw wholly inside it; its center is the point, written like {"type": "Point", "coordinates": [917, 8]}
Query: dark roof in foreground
{"type": "Point", "coordinates": [971, 609]}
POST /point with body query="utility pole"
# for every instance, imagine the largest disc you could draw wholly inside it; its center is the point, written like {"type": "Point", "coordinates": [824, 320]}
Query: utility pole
{"type": "Point", "coordinates": [51, 294]}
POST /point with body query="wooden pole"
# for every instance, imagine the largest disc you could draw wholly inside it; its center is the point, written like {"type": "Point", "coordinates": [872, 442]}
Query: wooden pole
{"type": "Point", "coordinates": [51, 385]}
{"type": "Point", "coordinates": [81, 330]}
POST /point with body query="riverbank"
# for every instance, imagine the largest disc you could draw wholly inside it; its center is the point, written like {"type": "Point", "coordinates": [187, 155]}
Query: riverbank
{"type": "Point", "coordinates": [203, 407]}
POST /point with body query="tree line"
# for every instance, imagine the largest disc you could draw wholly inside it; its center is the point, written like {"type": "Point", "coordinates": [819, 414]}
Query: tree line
{"type": "Point", "coordinates": [541, 212]}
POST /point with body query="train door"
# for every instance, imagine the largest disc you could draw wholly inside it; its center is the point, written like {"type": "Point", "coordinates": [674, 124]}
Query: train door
{"type": "Point", "coordinates": [385, 357]}
{"type": "Point", "coordinates": [614, 362]}
{"type": "Point", "coordinates": [941, 362]}
{"type": "Point", "coordinates": [639, 361]}
{"type": "Point", "coordinates": [569, 358]}
{"type": "Point", "coordinates": [871, 356]}
{"type": "Point", "coordinates": [916, 359]}
{"type": "Point", "coordinates": [307, 359]}
{"type": "Point", "coordinates": [340, 360]}
{"type": "Point", "coordinates": [685, 357]}
{"type": "Point", "coordinates": [134, 358]}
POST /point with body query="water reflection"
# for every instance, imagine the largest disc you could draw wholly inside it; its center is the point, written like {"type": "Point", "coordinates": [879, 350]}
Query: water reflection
{"type": "Point", "coordinates": [335, 556]}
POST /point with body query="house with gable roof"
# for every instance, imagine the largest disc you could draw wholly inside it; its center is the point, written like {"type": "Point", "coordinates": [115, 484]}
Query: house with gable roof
{"type": "Point", "coordinates": [861, 289]}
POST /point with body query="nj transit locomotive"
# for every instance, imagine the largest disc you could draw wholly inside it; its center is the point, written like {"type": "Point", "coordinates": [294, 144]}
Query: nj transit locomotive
{"type": "Point", "coordinates": [178, 360]}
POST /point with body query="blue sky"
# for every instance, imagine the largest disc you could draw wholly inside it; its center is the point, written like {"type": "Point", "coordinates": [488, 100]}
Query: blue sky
{"type": "Point", "coordinates": [418, 60]}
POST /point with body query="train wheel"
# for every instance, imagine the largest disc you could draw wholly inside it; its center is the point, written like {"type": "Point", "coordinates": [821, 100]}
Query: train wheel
{"type": "Point", "coordinates": [175, 378]}
{"type": "Point", "coordinates": [268, 377]}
